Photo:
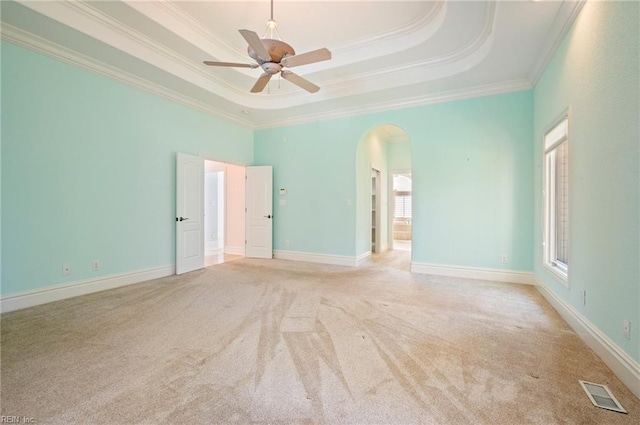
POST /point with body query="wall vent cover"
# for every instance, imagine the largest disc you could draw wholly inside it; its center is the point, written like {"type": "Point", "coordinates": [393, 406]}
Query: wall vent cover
{"type": "Point", "coordinates": [601, 396]}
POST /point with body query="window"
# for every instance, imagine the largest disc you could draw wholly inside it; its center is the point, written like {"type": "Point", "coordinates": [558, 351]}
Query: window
{"type": "Point", "coordinates": [556, 199]}
{"type": "Point", "coordinates": [402, 205]}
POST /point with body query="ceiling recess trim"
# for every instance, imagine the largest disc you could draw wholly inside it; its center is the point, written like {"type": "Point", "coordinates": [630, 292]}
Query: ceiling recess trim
{"type": "Point", "coordinates": [481, 44]}
{"type": "Point", "coordinates": [112, 32]}
{"type": "Point", "coordinates": [417, 31]}
{"type": "Point", "coordinates": [455, 62]}
{"type": "Point", "coordinates": [83, 18]}
{"type": "Point", "coordinates": [428, 99]}
{"type": "Point", "coordinates": [162, 12]}
{"type": "Point", "coordinates": [38, 44]}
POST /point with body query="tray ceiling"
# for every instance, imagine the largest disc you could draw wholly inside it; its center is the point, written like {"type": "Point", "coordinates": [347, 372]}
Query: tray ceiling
{"type": "Point", "coordinates": [386, 54]}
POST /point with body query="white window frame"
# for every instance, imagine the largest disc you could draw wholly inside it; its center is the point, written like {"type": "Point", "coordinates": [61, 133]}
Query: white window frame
{"type": "Point", "coordinates": [556, 136]}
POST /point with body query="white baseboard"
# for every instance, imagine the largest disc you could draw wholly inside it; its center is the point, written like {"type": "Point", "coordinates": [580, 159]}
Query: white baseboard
{"type": "Point", "coordinates": [210, 260]}
{"type": "Point", "coordinates": [620, 363]}
{"type": "Point", "coordinates": [234, 250]}
{"type": "Point", "coordinates": [309, 257]}
{"type": "Point", "coordinates": [363, 258]}
{"type": "Point", "coordinates": [20, 300]}
{"type": "Point", "coordinates": [498, 275]}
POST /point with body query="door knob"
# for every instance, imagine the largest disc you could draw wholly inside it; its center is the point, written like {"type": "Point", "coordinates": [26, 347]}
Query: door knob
{"type": "Point", "coordinates": [181, 218]}
{"type": "Point", "coordinates": [267, 216]}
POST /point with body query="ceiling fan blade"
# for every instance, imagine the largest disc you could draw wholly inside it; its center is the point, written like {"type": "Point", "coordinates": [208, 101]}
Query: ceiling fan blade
{"type": "Point", "coordinates": [261, 83]}
{"type": "Point", "coordinates": [300, 82]}
{"type": "Point", "coordinates": [306, 58]}
{"type": "Point", "coordinates": [256, 44]}
{"type": "Point", "coordinates": [236, 65]}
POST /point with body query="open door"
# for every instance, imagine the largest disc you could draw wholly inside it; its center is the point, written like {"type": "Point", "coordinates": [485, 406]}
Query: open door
{"type": "Point", "coordinates": [189, 213]}
{"type": "Point", "coordinates": [259, 212]}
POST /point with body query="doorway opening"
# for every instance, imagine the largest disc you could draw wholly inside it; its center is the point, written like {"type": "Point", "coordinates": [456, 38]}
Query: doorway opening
{"type": "Point", "coordinates": [375, 211]}
{"type": "Point", "coordinates": [401, 216]}
{"type": "Point", "coordinates": [383, 155]}
{"type": "Point", "coordinates": [224, 199]}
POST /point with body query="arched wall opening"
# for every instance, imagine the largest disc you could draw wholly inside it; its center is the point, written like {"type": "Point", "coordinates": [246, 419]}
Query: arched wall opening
{"type": "Point", "coordinates": [382, 153]}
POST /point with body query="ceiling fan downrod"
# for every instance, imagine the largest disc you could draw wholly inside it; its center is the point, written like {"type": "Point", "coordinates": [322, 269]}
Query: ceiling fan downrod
{"type": "Point", "coordinates": [272, 28]}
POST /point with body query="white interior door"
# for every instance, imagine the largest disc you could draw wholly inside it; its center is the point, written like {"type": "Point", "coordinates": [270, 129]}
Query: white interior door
{"type": "Point", "coordinates": [259, 215]}
{"type": "Point", "coordinates": [189, 213]}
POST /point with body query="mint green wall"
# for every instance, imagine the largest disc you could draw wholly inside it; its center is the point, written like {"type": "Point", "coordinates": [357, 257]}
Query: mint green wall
{"type": "Point", "coordinates": [472, 181]}
{"type": "Point", "coordinates": [88, 171]}
{"type": "Point", "coordinates": [595, 74]}
{"type": "Point", "coordinates": [316, 167]}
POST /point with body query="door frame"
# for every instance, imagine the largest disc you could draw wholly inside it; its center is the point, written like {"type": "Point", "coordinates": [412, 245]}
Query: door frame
{"type": "Point", "coordinates": [376, 245]}
{"type": "Point", "coordinates": [392, 203]}
{"type": "Point", "coordinates": [213, 158]}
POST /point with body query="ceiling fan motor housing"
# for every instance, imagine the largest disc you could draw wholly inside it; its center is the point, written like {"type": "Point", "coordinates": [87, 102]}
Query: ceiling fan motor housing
{"type": "Point", "coordinates": [272, 56]}
{"type": "Point", "coordinates": [277, 50]}
{"type": "Point", "coordinates": [271, 68]}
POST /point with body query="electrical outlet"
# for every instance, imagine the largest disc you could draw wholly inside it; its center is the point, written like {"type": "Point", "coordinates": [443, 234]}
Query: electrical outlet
{"type": "Point", "coordinates": [583, 296]}
{"type": "Point", "coordinates": [504, 259]}
{"type": "Point", "coordinates": [95, 266]}
{"type": "Point", "coordinates": [626, 325]}
{"type": "Point", "coordinates": [66, 269]}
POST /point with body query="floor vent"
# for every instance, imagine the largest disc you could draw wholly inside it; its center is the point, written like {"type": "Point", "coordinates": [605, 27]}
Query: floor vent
{"type": "Point", "coordinates": [601, 396]}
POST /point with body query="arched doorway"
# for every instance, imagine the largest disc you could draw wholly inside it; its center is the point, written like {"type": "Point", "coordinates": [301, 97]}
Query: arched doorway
{"type": "Point", "coordinates": [383, 168]}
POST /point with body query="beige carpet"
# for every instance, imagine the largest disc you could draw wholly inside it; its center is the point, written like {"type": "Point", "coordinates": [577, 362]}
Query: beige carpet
{"type": "Point", "coordinates": [271, 341]}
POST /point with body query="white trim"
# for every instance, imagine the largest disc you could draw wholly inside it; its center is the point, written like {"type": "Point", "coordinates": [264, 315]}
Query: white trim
{"type": "Point", "coordinates": [363, 258]}
{"type": "Point", "coordinates": [189, 28]}
{"type": "Point", "coordinates": [559, 30]}
{"type": "Point", "coordinates": [105, 28]}
{"type": "Point", "coordinates": [620, 363]}
{"type": "Point", "coordinates": [554, 137]}
{"type": "Point", "coordinates": [38, 44]}
{"type": "Point", "coordinates": [20, 300]}
{"type": "Point", "coordinates": [312, 257]}
{"type": "Point", "coordinates": [407, 102]}
{"type": "Point", "coordinates": [512, 276]}
{"type": "Point", "coordinates": [234, 250]}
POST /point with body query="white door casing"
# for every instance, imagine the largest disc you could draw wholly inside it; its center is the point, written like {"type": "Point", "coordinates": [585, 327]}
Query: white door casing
{"type": "Point", "coordinates": [259, 212]}
{"type": "Point", "coordinates": [189, 213]}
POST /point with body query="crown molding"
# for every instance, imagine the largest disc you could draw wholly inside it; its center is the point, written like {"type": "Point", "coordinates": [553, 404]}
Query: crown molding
{"type": "Point", "coordinates": [41, 45]}
{"type": "Point", "coordinates": [86, 19]}
{"type": "Point", "coordinates": [428, 99]}
{"type": "Point", "coordinates": [460, 60]}
{"type": "Point", "coordinates": [178, 21]}
{"type": "Point", "coordinates": [475, 51]}
{"type": "Point", "coordinates": [560, 27]}
{"type": "Point", "coordinates": [137, 37]}
{"type": "Point", "coordinates": [414, 32]}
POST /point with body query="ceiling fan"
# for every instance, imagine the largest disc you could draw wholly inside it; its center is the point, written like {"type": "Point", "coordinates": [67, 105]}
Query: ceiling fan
{"type": "Point", "coordinates": [272, 55]}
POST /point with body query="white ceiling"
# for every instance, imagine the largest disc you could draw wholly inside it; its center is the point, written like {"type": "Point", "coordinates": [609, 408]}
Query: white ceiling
{"type": "Point", "coordinates": [386, 54]}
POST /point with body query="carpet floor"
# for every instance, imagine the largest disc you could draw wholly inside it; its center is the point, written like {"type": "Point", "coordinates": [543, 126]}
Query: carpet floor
{"type": "Point", "coordinates": [274, 341]}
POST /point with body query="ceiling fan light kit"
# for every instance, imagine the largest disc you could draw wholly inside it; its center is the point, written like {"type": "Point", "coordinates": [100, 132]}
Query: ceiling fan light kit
{"type": "Point", "coordinates": [273, 55]}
